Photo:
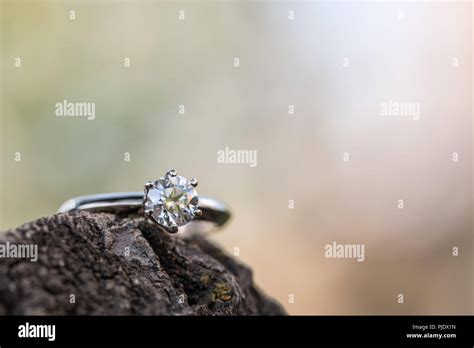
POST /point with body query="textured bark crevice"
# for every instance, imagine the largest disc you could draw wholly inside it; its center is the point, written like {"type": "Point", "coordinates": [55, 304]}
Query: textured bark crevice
{"type": "Point", "coordinates": [103, 264]}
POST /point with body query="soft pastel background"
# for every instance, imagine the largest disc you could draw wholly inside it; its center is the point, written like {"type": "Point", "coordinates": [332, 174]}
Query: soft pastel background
{"type": "Point", "coordinates": [400, 51]}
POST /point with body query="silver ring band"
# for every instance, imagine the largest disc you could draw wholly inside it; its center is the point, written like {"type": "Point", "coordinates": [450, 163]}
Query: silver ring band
{"type": "Point", "coordinates": [214, 212]}
{"type": "Point", "coordinates": [170, 202]}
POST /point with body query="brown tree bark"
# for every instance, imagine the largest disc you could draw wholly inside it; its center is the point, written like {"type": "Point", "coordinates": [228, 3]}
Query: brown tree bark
{"type": "Point", "coordinates": [102, 264]}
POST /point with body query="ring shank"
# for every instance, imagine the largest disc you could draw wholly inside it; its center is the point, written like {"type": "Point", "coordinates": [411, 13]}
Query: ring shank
{"type": "Point", "coordinates": [131, 203]}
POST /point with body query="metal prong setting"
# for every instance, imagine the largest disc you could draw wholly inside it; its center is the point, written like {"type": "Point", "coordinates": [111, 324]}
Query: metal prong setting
{"type": "Point", "coordinates": [193, 182]}
{"type": "Point", "coordinates": [172, 173]}
{"type": "Point", "coordinates": [148, 185]}
{"type": "Point", "coordinates": [172, 229]}
{"type": "Point", "coordinates": [198, 213]}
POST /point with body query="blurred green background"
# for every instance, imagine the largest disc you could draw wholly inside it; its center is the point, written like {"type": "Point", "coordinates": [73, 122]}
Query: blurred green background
{"type": "Point", "coordinates": [335, 62]}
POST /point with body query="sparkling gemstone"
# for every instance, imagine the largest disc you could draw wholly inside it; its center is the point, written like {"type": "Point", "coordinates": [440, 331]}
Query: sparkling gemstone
{"type": "Point", "coordinates": [173, 200]}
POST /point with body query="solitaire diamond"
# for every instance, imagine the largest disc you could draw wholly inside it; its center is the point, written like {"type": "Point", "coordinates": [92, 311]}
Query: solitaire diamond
{"type": "Point", "coordinates": [171, 201]}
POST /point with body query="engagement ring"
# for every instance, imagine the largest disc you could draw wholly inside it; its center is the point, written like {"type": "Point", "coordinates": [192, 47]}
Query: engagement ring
{"type": "Point", "coordinates": [171, 202]}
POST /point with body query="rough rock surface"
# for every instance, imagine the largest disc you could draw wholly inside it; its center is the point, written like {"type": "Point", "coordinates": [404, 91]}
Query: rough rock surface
{"type": "Point", "coordinates": [102, 264]}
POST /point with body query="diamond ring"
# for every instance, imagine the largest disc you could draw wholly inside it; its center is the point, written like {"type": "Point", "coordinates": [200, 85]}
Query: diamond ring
{"type": "Point", "coordinates": [171, 203]}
